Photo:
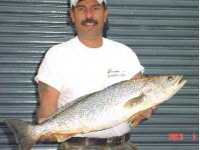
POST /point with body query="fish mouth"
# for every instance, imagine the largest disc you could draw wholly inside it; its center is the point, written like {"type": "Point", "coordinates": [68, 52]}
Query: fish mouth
{"type": "Point", "coordinates": [181, 81]}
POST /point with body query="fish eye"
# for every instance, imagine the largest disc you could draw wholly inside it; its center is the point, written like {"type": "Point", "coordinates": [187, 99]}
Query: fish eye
{"type": "Point", "coordinates": [170, 78]}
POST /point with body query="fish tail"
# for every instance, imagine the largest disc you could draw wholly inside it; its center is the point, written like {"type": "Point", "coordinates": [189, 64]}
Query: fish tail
{"type": "Point", "coordinates": [24, 133]}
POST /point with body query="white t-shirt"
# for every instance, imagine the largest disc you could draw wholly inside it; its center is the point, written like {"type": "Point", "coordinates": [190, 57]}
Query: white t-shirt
{"type": "Point", "coordinates": [76, 70]}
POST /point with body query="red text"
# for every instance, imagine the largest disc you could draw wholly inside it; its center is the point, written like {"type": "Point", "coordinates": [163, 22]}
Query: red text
{"type": "Point", "coordinates": [176, 136]}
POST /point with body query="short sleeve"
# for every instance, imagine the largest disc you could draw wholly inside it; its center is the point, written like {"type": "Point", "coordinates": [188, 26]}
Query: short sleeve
{"type": "Point", "coordinates": [136, 64]}
{"type": "Point", "coordinates": [132, 63]}
{"type": "Point", "coordinates": [49, 70]}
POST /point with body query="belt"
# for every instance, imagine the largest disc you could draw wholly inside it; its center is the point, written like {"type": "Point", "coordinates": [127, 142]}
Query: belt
{"type": "Point", "coordinates": [113, 141]}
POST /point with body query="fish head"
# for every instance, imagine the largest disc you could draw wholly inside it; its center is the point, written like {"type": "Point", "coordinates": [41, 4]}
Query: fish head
{"type": "Point", "coordinates": [161, 88]}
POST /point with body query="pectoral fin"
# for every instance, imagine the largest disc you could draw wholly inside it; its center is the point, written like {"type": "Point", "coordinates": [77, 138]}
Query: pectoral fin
{"type": "Point", "coordinates": [61, 137]}
{"type": "Point", "coordinates": [132, 118]}
{"type": "Point", "coordinates": [134, 121]}
{"type": "Point", "coordinates": [134, 102]}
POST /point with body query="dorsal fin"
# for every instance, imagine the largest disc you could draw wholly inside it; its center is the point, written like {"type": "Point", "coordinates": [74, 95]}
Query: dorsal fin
{"type": "Point", "coordinates": [66, 106]}
{"type": "Point", "coordinates": [135, 80]}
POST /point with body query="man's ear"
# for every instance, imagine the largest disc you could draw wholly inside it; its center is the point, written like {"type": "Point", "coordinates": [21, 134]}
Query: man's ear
{"type": "Point", "coordinates": [106, 14]}
{"type": "Point", "coordinates": [72, 15]}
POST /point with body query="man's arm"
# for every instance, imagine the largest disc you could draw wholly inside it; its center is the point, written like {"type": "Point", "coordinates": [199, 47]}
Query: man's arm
{"type": "Point", "coordinates": [138, 75]}
{"type": "Point", "coordinates": [48, 105]}
{"type": "Point", "coordinates": [48, 101]}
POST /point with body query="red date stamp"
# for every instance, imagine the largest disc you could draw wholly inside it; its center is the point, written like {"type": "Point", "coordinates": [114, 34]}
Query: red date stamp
{"type": "Point", "coordinates": [194, 137]}
{"type": "Point", "coordinates": [176, 136]}
{"type": "Point", "coordinates": [180, 137]}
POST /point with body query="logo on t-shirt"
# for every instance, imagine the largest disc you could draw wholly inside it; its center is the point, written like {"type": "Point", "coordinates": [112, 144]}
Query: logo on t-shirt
{"type": "Point", "coordinates": [115, 73]}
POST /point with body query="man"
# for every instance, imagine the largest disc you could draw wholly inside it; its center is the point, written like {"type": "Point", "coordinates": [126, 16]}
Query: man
{"type": "Point", "coordinates": [83, 65]}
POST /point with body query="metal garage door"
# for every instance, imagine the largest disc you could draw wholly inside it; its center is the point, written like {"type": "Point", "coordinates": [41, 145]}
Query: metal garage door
{"type": "Point", "coordinates": [164, 34]}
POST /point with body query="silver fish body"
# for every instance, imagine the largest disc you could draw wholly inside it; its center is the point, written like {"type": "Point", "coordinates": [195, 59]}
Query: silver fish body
{"type": "Point", "coordinates": [100, 110]}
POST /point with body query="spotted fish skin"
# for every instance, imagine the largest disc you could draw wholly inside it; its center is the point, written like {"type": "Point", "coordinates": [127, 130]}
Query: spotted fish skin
{"type": "Point", "coordinates": [101, 110]}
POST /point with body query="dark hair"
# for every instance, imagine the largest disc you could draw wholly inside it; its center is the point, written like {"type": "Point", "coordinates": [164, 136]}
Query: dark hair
{"type": "Point", "coordinates": [103, 3]}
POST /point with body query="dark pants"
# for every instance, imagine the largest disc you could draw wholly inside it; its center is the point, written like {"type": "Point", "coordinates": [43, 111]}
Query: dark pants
{"type": "Point", "coordinates": [72, 146]}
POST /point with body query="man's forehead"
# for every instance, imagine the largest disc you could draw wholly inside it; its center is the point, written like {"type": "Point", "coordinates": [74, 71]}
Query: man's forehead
{"type": "Point", "coordinates": [93, 1]}
{"type": "Point", "coordinates": [74, 2]}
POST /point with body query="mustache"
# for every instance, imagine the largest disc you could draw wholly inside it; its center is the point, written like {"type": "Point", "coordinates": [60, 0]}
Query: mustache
{"type": "Point", "coordinates": [89, 20]}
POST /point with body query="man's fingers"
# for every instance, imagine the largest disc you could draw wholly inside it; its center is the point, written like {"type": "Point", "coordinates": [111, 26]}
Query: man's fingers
{"type": "Point", "coordinates": [148, 113]}
{"type": "Point", "coordinates": [41, 120]}
{"type": "Point", "coordinates": [154, 108]}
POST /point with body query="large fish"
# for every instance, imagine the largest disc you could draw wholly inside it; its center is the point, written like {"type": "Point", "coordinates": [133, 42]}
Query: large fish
{"type": "Point", "coordinates": [101, 110]}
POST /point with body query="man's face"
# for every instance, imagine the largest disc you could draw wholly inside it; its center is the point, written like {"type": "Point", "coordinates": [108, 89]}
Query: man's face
{"type": "Point", "coordinates": [89, 17]}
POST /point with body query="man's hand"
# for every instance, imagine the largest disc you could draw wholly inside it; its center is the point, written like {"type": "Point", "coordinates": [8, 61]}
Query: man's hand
{"type": "Point", "coordinates": [41, 120]}
{"type": "Point", "coordinates": [147, 113]}
{"type": "Point", "coordinates": [143, 115]}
